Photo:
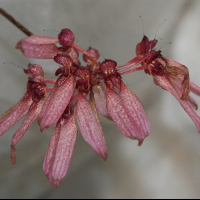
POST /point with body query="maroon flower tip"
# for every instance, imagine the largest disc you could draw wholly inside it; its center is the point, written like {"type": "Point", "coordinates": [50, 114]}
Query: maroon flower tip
{"type": "Point", "coordinates": [108, 67]}
{"type": "Point", "coordinates": [145, 46]}
{"type": "Point", "coordinates": [34, 70]}
{"type": "Point", "coordinates": [66, 37]}
{"type": "Point", "coordinates": [93, 52]}
{"type": "Point", "coordinates": [64, 60]}
{"type": "Point", "coordinates": [59, 71]}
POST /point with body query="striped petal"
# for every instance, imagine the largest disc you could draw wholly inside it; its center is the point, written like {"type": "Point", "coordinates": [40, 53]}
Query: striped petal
{"type": "Point", "coordinates": [45, 106]}
{"type": "Point", "coordinates": [59, 101]}
{"type": "Point", "coordinates": [100, 99]}
{"type": "Point", "coordinates": [90, 126]}
{"type": "Point", "coordinates": [37, 46]}
{"type": "Point", "coordinates": [135, 111]}
{"type": "Point", "coordinates": [121, 118]}
{"type": "Point", "coordinates": [29, 119]}
{"type": "Point", "coordinates": [39, 39]}
{"type": "Point", "coordinates": [164, 83]}
{"type": "Point", "coordinates": [60, 150]}
{"type": "Point", "coordinates": [13, 115]}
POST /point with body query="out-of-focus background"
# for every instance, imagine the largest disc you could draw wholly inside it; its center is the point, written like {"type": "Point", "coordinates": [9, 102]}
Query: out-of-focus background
{"type": "Point", "coordinates": [168, 163]}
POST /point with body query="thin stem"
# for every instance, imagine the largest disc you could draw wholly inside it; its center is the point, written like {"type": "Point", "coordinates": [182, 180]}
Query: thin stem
{"type": "Point", "coordinates": [49, 89]}
{"type": "Point", "coordinates": [15, 22]}
{"type": "Point", "coordinates": [132, 63]}
{"type": "Point", "coordinates": [85, 52]}
{"type": "Point", "coordinates": [134, 70]}
{"type": "Point", "coordinates": [49, 80]}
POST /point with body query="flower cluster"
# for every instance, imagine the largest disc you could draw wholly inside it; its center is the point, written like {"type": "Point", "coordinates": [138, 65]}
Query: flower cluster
{"type": "Point", "coordinates": [86, 90]}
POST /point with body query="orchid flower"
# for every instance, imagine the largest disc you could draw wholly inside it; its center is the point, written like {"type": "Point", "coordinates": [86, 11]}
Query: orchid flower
{"type": "Point", "coordinates": [30, 104]}
{"type": "Point", "coordinates": [168, 74]}
{"type": "Point", "coordinates": [84, 91]}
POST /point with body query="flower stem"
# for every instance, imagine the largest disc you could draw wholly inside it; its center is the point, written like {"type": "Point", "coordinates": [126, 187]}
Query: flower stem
{"type": "Point", "coordinates": [134, 70]}
{"type": "Point", "coordinates": [85, 52]}
{"type": "Point", "coordinates": [132, 63]}
{"type": "Point", "coordinates": [49, 80]}
{"type": "Point", "coordinates": [15, 22]}
{"type": "Point", "coordinates": [49, 89]}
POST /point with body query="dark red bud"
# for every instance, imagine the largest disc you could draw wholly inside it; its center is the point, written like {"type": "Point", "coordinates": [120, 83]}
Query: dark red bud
{"type": "Point", "coordinates": [93, 52]}
{"type": "Point", "coordinates": [66, 37]}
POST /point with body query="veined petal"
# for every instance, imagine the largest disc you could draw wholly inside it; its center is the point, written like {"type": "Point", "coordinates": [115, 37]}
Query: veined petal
{"type": "Point", "coordinates": [39, 39]}
{"type": "Point", "coordinates": [120, 117]}
{"type": "Point", "coordinates": [13, 115]}
{"type": "Point", "coordinates": [135, 111]}
{"type": "Point", "coordinates": [29, 119]}
{"type": "Point", "coordinates": [166, 85]}
{"type": "Point", "coordinates": [60, 150]}
{"type": "Point", "coordinates": [46, 104]}
{"type": "Point", "coordinates": [39, 51]}
{"type": "Point", "coordinates": [90, 126]}
{"type": "Point", "coordinates": [59, 101]}
{"type": "Point", "coordinates": [37, 46]}
{"type": "Point", "coordinates": [100, 99]}
{"type": "Point", "coordinates": [194, 88]}
{"type": "Point", "coordinates": [180, 74]}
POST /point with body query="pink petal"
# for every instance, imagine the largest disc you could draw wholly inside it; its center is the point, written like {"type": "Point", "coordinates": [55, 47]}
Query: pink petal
{"type": "Point", "coordinates": [166, 85]}
{"type": "Point", "coordinates": [193, 103]}
{"type": "Point", "coordinates": [29, 119]}
{"type": "Point", "coordinates": [59, 101]}
{"type": "Point", "coordinates": [194, 88]}
{"type": "Point", "coordinates": [135, 111]}
{"type": "Point", "coordinates": [39, 39]}
{"type": "Point", "coordinates": [45, 106]}
{"type": "Point", "coordinates": [90, 126]}
{"type": "Point", "coordinates": [60, 150]}
{"type": "Point", "coordinates": [40, 47]}
{"type": "Point", "coordinates": [121, 118]}
{"type": "Point", "coordinates": [13, 115]}
{"type": "Point", "coordinates": [100, 99]}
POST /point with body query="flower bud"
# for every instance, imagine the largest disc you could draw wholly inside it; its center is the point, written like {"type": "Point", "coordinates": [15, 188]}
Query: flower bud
{"type": "Point", "coordinates": [66, 37]}
{"type": "Point", "coordinates": [93, 52]}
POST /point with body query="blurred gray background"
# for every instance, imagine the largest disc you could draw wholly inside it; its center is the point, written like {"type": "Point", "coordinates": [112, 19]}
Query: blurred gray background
{"type": "Point", "coordinates": [168, 163]}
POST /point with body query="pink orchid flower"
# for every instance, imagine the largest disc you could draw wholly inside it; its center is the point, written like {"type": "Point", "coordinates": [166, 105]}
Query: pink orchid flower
{"type": "Point", "coordinates": [81, 90]}
{"type": "Point", "coordinates": [168, 74]}
{"type": "Point", "coordinates": [30, 104]}
{"type": "Point", "coordinates": [71, 90]}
